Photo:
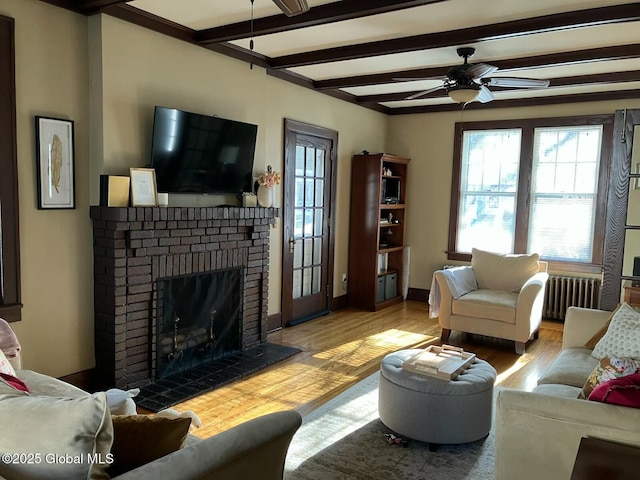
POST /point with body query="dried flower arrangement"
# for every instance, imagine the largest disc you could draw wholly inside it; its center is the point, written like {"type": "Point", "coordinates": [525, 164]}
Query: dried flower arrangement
{"type": "Point", "coordinates": [269, 179]}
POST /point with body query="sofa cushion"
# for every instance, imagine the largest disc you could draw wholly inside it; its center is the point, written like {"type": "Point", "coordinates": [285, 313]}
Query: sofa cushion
{"type": "Point", "coordinates": [503, 272]}
{"type": "Point", "coordinates": [47, 386]}
{"type": "Point", "coordinates": [66, 437]}
{"type": "Point", "coordinates": [558, 390]}
{"type": "Point", "coordinates": [497, 305]}
{"type": "Point", "coordinates": [608, 368]}
{"type": "Point", "coordinates": [140, 439]}
{"type": "Point", "coordinates": [623, 391]}
{"type": "Point", "coordinates": [571, 367]}
{"type": "Point", "coordinates": [622, 338]}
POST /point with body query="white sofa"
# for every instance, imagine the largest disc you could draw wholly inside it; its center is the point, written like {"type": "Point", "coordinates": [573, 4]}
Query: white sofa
{"type": "Point", "coordinates": [59, 421]}
{"type": "Point", "coordinates": [538, 433]}
{"type": "Point", "coordinates": [498, 296]}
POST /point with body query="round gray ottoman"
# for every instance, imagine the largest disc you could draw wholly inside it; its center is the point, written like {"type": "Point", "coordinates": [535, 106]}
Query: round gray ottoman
{"type": "Point", "coordinates": [433, 410]}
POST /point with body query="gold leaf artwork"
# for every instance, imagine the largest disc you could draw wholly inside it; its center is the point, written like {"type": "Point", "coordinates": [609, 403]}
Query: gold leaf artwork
{"type": "Point", "coordinates": [56, 162]}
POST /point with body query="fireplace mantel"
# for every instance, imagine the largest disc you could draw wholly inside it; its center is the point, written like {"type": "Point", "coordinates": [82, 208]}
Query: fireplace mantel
{"type": "Point", "coordinates": [134, 247]}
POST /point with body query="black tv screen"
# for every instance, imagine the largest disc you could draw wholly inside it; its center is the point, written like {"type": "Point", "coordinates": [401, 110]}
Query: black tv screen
{"type": "Point", "coordinates": [194, 153]}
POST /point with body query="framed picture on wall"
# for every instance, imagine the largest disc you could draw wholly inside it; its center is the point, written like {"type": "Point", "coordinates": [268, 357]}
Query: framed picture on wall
{"type": "Point", "coordinates": [55, 163]}
{"type": "Point", "coordinates": [143, 187]}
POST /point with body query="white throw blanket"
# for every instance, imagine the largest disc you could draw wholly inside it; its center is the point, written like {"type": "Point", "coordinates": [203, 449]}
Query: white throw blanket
{"type": "Point", "coordinates": [460, 280]}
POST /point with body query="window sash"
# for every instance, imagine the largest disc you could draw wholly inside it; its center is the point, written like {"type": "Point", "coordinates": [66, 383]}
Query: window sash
{"type": "Point", "coordinates": [525, 196]}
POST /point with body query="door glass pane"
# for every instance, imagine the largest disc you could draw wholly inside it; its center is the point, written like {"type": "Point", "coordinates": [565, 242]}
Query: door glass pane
{"type": "Point", "coordinates": [320, 163]}
{"type": "Point", "coordinates": [308, 252]}
{"type": "Point", "coordinates": [308, 221]}
{"type": "Point", "coordinates": [300, 160]}
{"type": "Point", "coordinates": [317, 250]}
{"type": "Point", "coordinates": [297, 254]}
{"type": "Point", "coordinates": [308, 192]}
{"type": "Point", "coordinates": [317, 227]}
{"type": "Point", "coordinates": [316, 280]}
{"type": "Point", "coordinates": [310, 164]}
{"type": "Point", "coordinates": [297, 283]}
{"type": "Point", "coordinates": [299, 194]}
{"type": "Point", "coordinates": [319, 193]}
{"type": "Point", "coordinates": [306, 281]}
{"type": "Point", "coordinates": [298, 214]}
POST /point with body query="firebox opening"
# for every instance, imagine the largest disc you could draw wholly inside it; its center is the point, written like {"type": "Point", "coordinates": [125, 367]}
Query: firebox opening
{"type": "Point", "coordinates": [198, 320]}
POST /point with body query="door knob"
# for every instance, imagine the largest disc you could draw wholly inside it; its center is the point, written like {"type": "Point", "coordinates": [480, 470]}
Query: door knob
{"type": "Point", "coordinates": [292, 244]}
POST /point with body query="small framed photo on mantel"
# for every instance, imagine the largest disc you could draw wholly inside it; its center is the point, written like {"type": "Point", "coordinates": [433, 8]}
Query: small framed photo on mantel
{"type": "Point", "coordinates": [55, 163]}
{"type": "Point", "coordinates": [144, 192]}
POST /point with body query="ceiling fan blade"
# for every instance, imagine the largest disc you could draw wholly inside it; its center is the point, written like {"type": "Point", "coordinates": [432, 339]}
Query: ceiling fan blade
{"type": "Point", "coordinates": [485, 95]}
{"type": "Point", "coordinates": [417, 79]}
{"type": "Point", "coordinates": [515, 82]}
{"type": "Point", "coordinates": [292, 7]}
{"type": "Point", "coordinates": [479, 70]}
{"type": "Point", "coordinates": [424, 92]}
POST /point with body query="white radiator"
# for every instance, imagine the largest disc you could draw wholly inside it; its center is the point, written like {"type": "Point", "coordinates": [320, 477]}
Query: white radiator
{"type": "Point", "coordinates": [564, 292]}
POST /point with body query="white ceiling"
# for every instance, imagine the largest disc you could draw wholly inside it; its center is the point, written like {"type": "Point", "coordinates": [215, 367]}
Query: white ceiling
{"type": "Point", "coordinates": [434, 18]}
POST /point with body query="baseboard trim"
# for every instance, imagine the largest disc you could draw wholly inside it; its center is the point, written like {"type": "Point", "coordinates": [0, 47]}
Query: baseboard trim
{"type": "Point", "coordinates": [339, 303]}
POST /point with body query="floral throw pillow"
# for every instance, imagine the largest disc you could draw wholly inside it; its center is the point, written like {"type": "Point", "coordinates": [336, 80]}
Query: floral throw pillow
{"type": "Point", "coordinates": [609, 368]}
{"type": "Point", "coordinates": [622, 338]}
{"type": "Point", "coordinates": [623, 391]}
{"type": "Point", "coordinates": [5, 366]}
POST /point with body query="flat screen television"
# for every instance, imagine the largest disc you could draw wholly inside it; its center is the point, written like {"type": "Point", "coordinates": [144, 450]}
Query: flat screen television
{"type": "Point", "coordinates": [194, 153]}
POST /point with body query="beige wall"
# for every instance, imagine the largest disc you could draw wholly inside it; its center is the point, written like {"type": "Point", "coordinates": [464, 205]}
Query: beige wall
{"type": "Point", "coordinates": [163, 71]}
{"type": "Point", "coordinates": [428, 140]}
{"type": "Point", "coordinates": [56, 330]}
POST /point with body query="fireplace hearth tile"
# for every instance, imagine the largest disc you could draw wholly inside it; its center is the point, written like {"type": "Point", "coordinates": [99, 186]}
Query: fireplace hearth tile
{"type": "Point", "coordinates": [183, 386]}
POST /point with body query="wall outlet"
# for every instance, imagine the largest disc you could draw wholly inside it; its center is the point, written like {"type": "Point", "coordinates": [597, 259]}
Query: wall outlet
{"type": "Point", "coordinates": [344, 282]}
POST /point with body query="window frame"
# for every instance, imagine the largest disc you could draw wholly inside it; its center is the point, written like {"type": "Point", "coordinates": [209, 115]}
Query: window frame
{"type": "Point", "coordinates": [523, 194]}
{"type": "Point", "coordinates": [10, 301]}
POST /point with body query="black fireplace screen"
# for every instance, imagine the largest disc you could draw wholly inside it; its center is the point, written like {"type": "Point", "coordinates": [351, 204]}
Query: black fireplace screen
{"type": "Point", "coordinates": [198, 319]}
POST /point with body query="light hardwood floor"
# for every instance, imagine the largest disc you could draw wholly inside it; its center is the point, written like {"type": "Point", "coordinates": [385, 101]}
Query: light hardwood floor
{"type": "Point", "coordinates": [345, 347]}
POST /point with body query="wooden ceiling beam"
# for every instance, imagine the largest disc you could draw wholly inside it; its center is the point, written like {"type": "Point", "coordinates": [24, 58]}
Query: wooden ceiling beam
{"type": "Point", "coordinates": [614, 77]}
{"type": "Point", "coordinates": [89, 7]}
{"type": "Point", "coordinates": [320, 15]}
{"type": "Point", "coordinates": [497, 31]}
{"type": "Point", "coordinates": [538, 61]}
{"type": "Point", "coordinates": [523, 102]}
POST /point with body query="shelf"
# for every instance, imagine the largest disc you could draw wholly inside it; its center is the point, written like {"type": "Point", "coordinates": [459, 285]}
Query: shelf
{"type": "Point", "coordinates": [387, 272]}
{"type": "Point", "coordinates": [391, 206]}
{"type": "Point", "coordinates": [390, 249]}
{"type": "Point", "coordinates": [385, 225]}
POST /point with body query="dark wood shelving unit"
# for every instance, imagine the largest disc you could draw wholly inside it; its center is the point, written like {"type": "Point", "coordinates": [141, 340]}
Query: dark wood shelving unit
{"type": "Point", "coordinates": [377, 230]}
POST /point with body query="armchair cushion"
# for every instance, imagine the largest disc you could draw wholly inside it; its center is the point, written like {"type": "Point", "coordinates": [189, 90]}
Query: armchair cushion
{"type": "Point", "coordinates": [497, 305]}
{"type": "Point", "coordinates": [503, 272]}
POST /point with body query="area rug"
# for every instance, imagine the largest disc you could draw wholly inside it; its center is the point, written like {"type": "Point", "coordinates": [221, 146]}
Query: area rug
{"type": "Point", "coordinates": [344, 439]}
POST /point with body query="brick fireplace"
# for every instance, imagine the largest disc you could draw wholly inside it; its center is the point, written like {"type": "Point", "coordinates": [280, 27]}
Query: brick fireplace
{"type": "Point", "coordinates": [134, 248]}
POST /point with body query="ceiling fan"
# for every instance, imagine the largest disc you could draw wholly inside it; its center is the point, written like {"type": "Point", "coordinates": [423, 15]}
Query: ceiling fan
{"type": "Point", "coordinates": [468, 82]}
{"type": "Point", "coordinates": [292, 7]}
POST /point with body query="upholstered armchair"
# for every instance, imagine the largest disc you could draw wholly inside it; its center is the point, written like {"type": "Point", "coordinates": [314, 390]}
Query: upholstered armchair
{"type": "Point", "coordinates": [499, 296]}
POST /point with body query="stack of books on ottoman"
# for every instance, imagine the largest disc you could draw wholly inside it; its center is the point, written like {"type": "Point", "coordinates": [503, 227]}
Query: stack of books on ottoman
{"type": "Point", "coordinates": [445, 362]}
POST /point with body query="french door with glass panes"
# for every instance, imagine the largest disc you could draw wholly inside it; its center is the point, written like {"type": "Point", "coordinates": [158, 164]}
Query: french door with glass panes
{"type": "Point", "coordinates": [307, 257]}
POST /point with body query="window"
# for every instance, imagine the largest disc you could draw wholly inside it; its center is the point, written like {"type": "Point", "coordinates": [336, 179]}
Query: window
{"type": "Point", "coordinates": [531, 186]}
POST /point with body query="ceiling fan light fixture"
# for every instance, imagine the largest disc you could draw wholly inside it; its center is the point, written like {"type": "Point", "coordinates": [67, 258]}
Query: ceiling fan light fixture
{"type": "Point", "coordinates": [292, 7]}
{"type": "Point", "coordinates": [463, 93]}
